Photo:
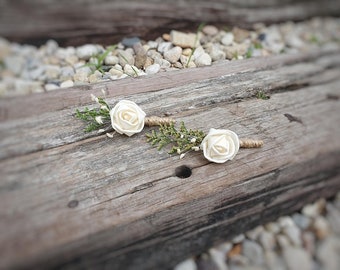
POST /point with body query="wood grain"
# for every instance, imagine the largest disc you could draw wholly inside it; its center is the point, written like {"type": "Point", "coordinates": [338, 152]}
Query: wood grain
{"type": "Point", "coordinates": [107, 22]}
{"type": "Point", "coordinates": [72, 200]}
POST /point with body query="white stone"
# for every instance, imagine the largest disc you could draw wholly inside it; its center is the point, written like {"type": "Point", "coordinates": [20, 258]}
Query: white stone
{"type": "Point", "coordinates": [116, 72]}
{"type": "Point", "coordinates": [333, 217]}
{"type": "Point", "coordinates": [51, 46]}
{"type": "Point", "coordinates": [238, 238]}
{"type": "Point", "coordinates": [27, 87]}
{"type": "Point", "coordinates": [215, 53]}
{"type": "Point", "coordinates": [267, 240]}
{"type": "Point", "coordinates": [315, 209]}
{"type": "Point", "coordinates": [253, 251]}
{"type": "Point", "coordinates": [225, 247]}
{"type": "Point", "coordinates": [203, 60]}
{"type": "Point", "coordinates": [125, 57]}
{"type": "Point", "coordinates": [188, 264]}
{"type": "Point", "coordinates": [227, 39]}
{"type": "Point", "coordinates": [273, 227]}
{"type": "Point", "coordinates": [164, 47]}
{"type": "Point", "coordinates": [152, 69]}
{"type": "Point", "coordinates": [254, 233]}
{"type": "Point", "coordinates": [219, 258]}
{"type": "Point", "coordinates": [321, 227]}
{"type": "Point", "coordinates": [163, 63]}
{"type": "Point", "coordinates": [210, 30]}
{"type": "Point", "coordinates": [36, 73]}
{"type": "Point", "coordinates": [184, 40]}
{"type": "Point", "coordinates": [83, 69]}
{"type": "Point", "coordinates": [301, 221]}
{"type": "Point", "coordinates": [80, 77]}
{"type": "Point", "coordinates": [66, 73]}
{"type": "Point", "coordinates": [198, 52]}
{"type": "Point", "coordinates": [131, 70]}
{"type": "Point", "coordinates": [294, 234]}
{"type": "Point", "coordinates": [273, 261]}
{"type": "Point", "coordinates": [297, 259]}
{"type": "Point", "coordinates": [51, 86]}
{"type": "Point", "coordinates": [111, 60]}
{"type": "Point", "coordinates": [5, 48]}
{"type": "Point", "coordinates": [153, 44]}
{"type": "Point", "coordinates": [52, 72]}
{"type": "Point", "coordinates": [14, 63]}
{"type": "Point", "coordinates": [85, 52]}
{"type": "Point", "coordinates": [328, 253]}
{"type": "Point", "coordinates": [68, 83]}
{"type": "Point", "coordinates": [283, 241]}
{"type": "Point", "coordinates": [173, 54]}
{"type": "Point", "coordinates": [285, 221]}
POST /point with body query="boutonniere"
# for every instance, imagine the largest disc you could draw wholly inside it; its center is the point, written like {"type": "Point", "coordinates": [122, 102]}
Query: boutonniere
{"type": "Point", "coordinates": [127, 118]}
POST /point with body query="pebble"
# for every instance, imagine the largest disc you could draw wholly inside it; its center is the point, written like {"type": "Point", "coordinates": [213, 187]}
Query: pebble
{"type": "Point", "coordinates": [152, 69]}
{"type": "Point", "coordinates": [116, 71]}
{"type": "Point", "coordinates": [253, 251]}
{"type": "Point", "coordinates": [28, 86]}
{"type": "Point", "coordinates": [210, 30]}
{"type": "Point", "coordinates": [85, 52]}
{"type": "Point", "coordinates": [129, 42]}
{"type": "Point", "coordinates": [297, 259]}
{"type": "Point", "coordinates": [219, 257]}
{"type": "Point", "coordinates": [294, 234]}
{"type": "Point", "coordinates": [131, 70]}
{"type": "Point", "coordinates": [333, 216]}
{"type": "Point", "coordinates": [301, 221]}
{"type": "Point", "coordinates": [173, 54]}
{"type": "Point", "coordinates": [315, 209]}
{"type": "Point", "coordinates": [188, 264]}
{"type": "Point", "coordinates": [68, 83]}
{"type": "Point", "coordinates": [238, 239]}
{"type": "Point", "coordinates": [227, 39]}
{"type": "Point", "coordinates": [255, 233]}
{"type": "Point", "coordinates": [51, 86]}
{"type": "Point", "coordinates": [29, 63]}
{"type": "Point", "coordinates": [184, 40]}
{"type": "Point", "coordinates": [321, 227]}
{"type": "Point", "coordinates": [328, 253]}
{"type": "Point", "coordinates": [267, 240]}
{"type": "Point", "coordinates": [274, 261]}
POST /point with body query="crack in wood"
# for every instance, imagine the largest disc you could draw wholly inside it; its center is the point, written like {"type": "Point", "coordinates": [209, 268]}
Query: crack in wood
{"type": "Point", "coordinates": [292, 118]}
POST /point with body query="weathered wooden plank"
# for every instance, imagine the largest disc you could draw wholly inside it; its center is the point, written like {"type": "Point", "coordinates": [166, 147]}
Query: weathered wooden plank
{"type": "Point", "coordinates": [79, 201]}
{"type": "Point", "coordinates": [107, 22]}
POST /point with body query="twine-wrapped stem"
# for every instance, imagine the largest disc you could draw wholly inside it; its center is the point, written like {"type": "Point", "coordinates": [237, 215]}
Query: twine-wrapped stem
{"type": "Point", "coordinates": [157, 121]}
{"type": "Point", "coordinates": [250, 143]}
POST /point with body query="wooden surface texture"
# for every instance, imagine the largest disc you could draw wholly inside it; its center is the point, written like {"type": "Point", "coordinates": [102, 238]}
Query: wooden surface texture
{"type": "Point", "coordinates": [71, 200]}
{"type": "Point", "coordinates": [107, 22]}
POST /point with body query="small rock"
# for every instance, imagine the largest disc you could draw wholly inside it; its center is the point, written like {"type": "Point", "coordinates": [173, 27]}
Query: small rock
{"type": "Point", "coordinates": [188, 264]}
{"type": "Point", "coordinates": [187, 52]}
{"type": "Point", "coordinates": [66, 73]}
{"type": "Point", "coordinates": [267, 240]}
{"type": "Point", "coordinates": [80, 77]}
{"type": "Point", "coordinates": [228, 39]}
{"type": "Point", "coordinates": [164, 47]}
{"type": "Point", "coordinates": [178, 65]}
{"type": "Point", "coordinates": [125, 57]}
{"type": "Point", "coordinates": [321, 227]}
{"type": "Point", "coordinates": [95, 77]}
{"type": "Point", "coordinates": [238, 260]}
{"type": "Point", "coordinates": [240, 34]}
{"type": "Point", "coordinates": [83, 69]}
{"type": "Point", "coordinates": [184, 40]}
{"type": "Point", "coordinates": [71, 60]}
{"type": "Point", "coordinates": [141, 55]}
{"type": "Point", "coordinates": [294, 235]}
{"type": "Point", "coordinates": [315, 209]}
{"type": "Point", "coordinates": [333, 217]}
{"type": "Point", "coordinates": [153, 44]}
{"type": "Point", "coordinates": [238, 239]}
{"type": "Point", "coordinates": [116, 72]}
{"type": "Point", "coordinates": [210, 30]}
{"type": "Point", "coordinates": [173, 54]}
{"type": "Point", "coordinates": [236, 250]}
{"type": "Point", "coordinates": [51, 86]}
{"type": "Point", "coordinates": [285, 221]}
{"type": "Point", "coordinates": [14, 63]}
{"type": "Point", "coordinates": [328, 253]}
{"type": "Point", "coordinates": [163, 63]}
{"type": "Point", "coordinates": [254, 233]}
{"type": "Point", "coordinates": [166, 37]}
{"type": "Point", "coordinates": [111, 60]}
{"type": "Point", "coordinates": [51, 47]}
{"type": "Point", "coordinates": [152, 69]}
{"type": "Point", "coordinates": [5, 48]}
{"type": "Point", "coordinates": [273, 261]}
{"type": "Point", "coordinates": [215, 53]}
{"type": "Point", "coordinates": [301, 221]}
{"type": "Point", "coordinates": [68, 83]}
{"type": "Point", "coordinates": [85, 52]}
{"type": "Point", "coordinates": [52, 72]}
{"type": "Point", "coordinates": [219, 258]}
{"type": "Point", "coordinates": [283, 241]}
{"type": "Point", "coordinates": [148, 62]}
{"type": "Point", "coordinates": [236, 50]}
{"type": "Point", "coordinates": [28, 87]}
{"type": "Point", "coordinates": [308, 240]}
{"type": "Point", "coordinates": [297, 259]}
{"type": "Point", "coordinates": [129, 42]}
{"type": "Point", "coordinates": [205, 262]}
{"type": "Point", "coordinates": [131, 70]}
{"type": "Point", "coordinates": [225, 247]}
{"type": "Point", "coordinates": [203, 60]}
{"type": "Point", "coordinates": [253, 251]}
{"type": "Point", "coordinates": [273, 227]}
{"type": "Point", "coordinates": [36, 73]}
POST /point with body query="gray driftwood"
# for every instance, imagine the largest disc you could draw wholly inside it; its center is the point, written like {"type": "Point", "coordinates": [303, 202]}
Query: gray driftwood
{"type": "Point", "coordinates": [71, 200]}
{"type": "Point", "coordinates": [107, 22]}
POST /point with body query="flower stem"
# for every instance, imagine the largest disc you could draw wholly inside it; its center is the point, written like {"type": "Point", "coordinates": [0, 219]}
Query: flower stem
{"type": "Point", "coordinates": [158, 121]}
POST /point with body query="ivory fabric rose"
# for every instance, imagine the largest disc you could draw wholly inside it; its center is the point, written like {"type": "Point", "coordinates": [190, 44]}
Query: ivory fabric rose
{"type": "Point", "coordinates": [220, 145]}
{"type": "Point", "coordinates": [127, 118]}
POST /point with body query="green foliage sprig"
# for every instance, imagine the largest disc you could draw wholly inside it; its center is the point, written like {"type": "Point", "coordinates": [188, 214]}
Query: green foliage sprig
{"type": "Point", "coordinates": [98, 118]}
{"type": "Point", "coordinates": [182, 139]}
{"type": "Point", "coordinates": [100, 58]}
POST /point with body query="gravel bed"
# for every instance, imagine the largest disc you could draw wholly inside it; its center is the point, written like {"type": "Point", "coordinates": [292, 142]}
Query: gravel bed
{"type": "Point", "coordinates": [306, 240]}
{"type": "Point", "coordinates": [28, 69]}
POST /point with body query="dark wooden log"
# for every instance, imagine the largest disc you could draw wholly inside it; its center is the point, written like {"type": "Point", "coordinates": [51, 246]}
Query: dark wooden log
{"type": "Point", "coordinates": [107, 22]}
{"type": "Point", "coordinates": [71, 200]}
